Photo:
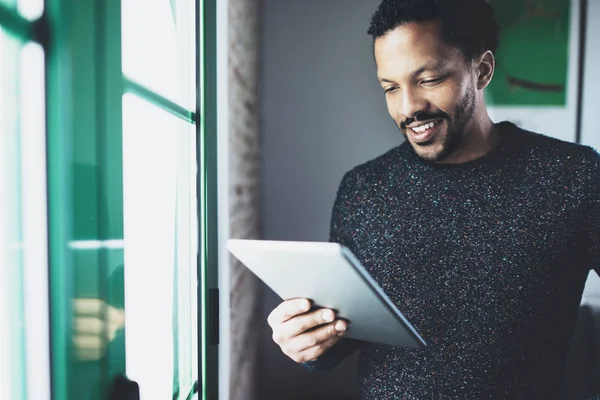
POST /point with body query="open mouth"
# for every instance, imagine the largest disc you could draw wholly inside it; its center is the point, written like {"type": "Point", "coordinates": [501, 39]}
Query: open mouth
{"type": "Point", "coordinates": [424, 132]}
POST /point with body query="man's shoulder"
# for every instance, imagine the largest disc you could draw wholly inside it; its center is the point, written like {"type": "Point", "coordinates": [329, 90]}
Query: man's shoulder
{"type": "Point", "coordinates": [553, 150]}
{"type": "Point", "coordinates": [378, 168]}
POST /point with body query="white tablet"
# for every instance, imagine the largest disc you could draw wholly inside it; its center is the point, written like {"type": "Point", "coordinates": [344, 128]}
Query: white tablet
{"type": "Point", "coordinates": [331, 276]}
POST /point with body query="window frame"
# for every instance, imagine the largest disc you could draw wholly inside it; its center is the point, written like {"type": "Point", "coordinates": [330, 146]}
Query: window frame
{"type": "Point", "coordinates": [55, 30]}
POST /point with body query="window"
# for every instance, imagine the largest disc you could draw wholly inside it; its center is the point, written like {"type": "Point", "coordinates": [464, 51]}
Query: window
{"type": "Point", "coordinates": [106, 196]}
{"type": "Point", "coordinates": [24, 366]}
{"type": "Point", "coordinates": [159, 173]}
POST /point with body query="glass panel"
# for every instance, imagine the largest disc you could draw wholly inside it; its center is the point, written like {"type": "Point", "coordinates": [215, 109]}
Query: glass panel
{"type": "Point", "coordinates": [30, 9]}
{"type": "Point", "coordinates": [34, 221]}
{"type": "Point", "coordinates": [94, 217]}
{"type": "Point", "coordinates": [24, 325]}
{"type": "Point", "coordinates": [12, 334]}
{"type": "Point", "coordinates": [9, 3]}
{"type": "Point", "coordinates": [158, 49]}
{"type": "Point", "coordinates": [159, 181]}
{"type": "Point", "coordinates": [96, 248]}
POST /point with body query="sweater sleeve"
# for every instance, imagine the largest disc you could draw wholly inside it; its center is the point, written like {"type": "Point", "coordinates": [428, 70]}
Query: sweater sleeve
{"type": "Point", "coordinates": [593, 212]}
{"type": "Point", "coordinates": [342, 223]}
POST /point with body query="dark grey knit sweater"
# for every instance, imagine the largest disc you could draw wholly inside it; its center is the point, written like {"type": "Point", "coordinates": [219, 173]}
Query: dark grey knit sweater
{"type": "Point", "coordinates": [487, 259]}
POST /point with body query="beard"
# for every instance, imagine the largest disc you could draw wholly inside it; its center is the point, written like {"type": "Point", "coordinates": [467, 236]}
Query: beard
{"type": "Point", "coordinates": [456, 129]}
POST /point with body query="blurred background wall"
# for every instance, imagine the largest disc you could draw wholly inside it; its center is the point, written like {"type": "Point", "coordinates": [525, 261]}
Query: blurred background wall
{"type": "Point", "coordinates": [243, 189]}
{"type": "Point", "coordinates": [323, 113]}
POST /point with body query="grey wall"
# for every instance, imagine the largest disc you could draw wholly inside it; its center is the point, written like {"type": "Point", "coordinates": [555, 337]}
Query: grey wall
{"type": "Point", "coordinates": [322, 107]}
{"type": "Point", "coordinates": [323, 113]}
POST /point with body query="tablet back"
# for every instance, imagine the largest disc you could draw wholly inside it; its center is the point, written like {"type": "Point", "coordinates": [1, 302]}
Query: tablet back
{"type": "Point", "coordinates": [330, 276]}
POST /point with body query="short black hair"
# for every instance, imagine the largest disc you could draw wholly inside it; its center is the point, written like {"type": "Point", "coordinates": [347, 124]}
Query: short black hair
{"type": "Point", "coordinates": [469, 25]}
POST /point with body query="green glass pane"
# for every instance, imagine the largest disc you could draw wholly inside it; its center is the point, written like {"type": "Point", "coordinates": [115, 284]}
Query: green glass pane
{"type": "Point", "coordinates": [96, 251]}
{"type": "Point", "coordinates": [159, 174]}
{"type": "Point", "coordinates": [30, 9]}
{"type": "Point", "coordinates": [96, 323]}
{"type": "Point", "coordinates": [159, 49]}
{"type": "Point", "coordinates": [96, 248]}
{"type": "Point", "coordinates": [12, 333]}
{"type": "Point", "coordinates": [9, 3]}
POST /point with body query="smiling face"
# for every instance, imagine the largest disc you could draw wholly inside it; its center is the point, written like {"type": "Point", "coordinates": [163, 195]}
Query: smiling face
{"type": "Point", "coordinates": [432, 91]}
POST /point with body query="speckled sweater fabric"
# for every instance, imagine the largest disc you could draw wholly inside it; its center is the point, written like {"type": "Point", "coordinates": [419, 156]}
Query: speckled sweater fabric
{"type": "Point", "coordinates": [487, 259]}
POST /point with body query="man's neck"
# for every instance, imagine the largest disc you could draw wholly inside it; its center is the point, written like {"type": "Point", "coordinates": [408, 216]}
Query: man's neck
{"type": "Point", "coordinates": [479, 140]}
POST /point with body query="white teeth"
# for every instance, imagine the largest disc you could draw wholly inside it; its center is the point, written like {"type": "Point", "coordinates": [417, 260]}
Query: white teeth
{"type": "Point", "coordinates": [423, 128]}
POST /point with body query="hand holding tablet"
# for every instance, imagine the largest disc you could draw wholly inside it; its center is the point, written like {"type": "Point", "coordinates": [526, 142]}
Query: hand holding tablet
{"type": "Point", "coordinates": [304, 334]}
{"type": "Point", "coordinates": [332, 278]}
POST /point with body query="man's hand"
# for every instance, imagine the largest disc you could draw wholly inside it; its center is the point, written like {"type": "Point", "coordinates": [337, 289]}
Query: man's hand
{"type": "Point", "coordinates": [94, 325]}
{"type": "Point", "coordinates": [303, 336]}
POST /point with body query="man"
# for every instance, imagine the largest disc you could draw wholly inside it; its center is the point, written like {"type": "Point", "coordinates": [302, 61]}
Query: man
{"type": "Point", "coordinates": [483, 234]}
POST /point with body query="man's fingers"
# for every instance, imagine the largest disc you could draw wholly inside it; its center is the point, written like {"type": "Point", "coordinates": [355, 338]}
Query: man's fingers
{"type": "Point", "coordinates": [115, 316]}
{"type": "Point", "coordinates": [314, 338]}
{"type": "Point", "coordinates": [88, 326]}
{"type": "Point", "coordinates": [89, 355]}
{"type": "Point", "coordinates": [312, 353]}
{"type": "Point", "coordinates": [302, 335]}
{"type": "Point", "coordinates": [88, 342]}
{"type": "Point", "coordinates": [88, 348]}
{"type": "Point", "coordinates": [302, 323]}
{"type": "Point", "coordinates": [286, 310]}
{"type": "Point", "coordinates": [89, 307]}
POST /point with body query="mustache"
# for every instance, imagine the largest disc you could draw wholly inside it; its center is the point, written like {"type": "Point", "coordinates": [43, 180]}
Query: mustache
{"type": "Point", "coordinates": [423, 116]}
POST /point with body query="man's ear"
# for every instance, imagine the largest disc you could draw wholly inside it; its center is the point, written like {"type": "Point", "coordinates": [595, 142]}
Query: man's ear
{"type": "Point", "coordinates": [485, 65]}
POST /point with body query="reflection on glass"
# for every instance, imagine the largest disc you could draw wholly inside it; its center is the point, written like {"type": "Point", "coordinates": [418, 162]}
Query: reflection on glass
{"type": "Point", "coordinates": [158, 49]}
{"type": "Point", "coordinates": [160, 250]}
{"type": "Point", "coordinates": [12, 346]}
{"type": "Point", "coordinates": [30, 9]}
{"type": "Point", "coordinates": [95, 324]}
{"type": "Point", "coordinates": [34, 221]}
{"type": "Point", "coordinates": [97, 306]}
{"type": "Point", "coordinates": [9, 3]}
{"type": "Point", "coordinates": [94, 229]}
{"type": "Point", "coordinates": [24, 325]}
{"type": "Point", "coordinates": [98, 315]}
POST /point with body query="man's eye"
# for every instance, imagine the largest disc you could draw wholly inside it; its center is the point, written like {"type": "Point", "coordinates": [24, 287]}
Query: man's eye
{"type": "Point", "coordinates": [390, 89]}
{"type": "Point", "coordinates": [432, 81]}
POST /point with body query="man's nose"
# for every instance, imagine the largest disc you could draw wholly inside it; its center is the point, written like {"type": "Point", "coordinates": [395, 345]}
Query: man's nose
{"type": "Point", "coordinates": [412, 103]}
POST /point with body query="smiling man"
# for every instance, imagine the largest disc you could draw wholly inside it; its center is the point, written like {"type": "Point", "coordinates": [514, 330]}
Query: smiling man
{"type": "Point", "coordinates": [434, 92]}
{"type": "Point", "coordinates": [482, 233]}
